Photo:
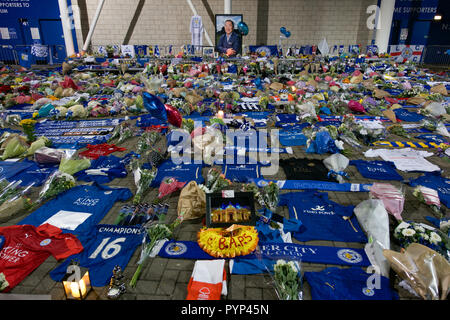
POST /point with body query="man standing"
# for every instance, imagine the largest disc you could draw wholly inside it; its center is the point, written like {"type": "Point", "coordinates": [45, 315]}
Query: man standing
{"type": "Point", "coordinates": [229, 42]}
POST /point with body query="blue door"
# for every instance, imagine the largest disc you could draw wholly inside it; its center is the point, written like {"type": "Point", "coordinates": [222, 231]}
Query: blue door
{"type": "Point", "coordinates": [53, 36]}
{"type": "Point", "coordinates": [419, 33]}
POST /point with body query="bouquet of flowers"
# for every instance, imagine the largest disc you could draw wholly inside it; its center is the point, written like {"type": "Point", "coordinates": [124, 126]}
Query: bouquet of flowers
{"type": "Point", "coordinates": [147, 140]}
{"type": "Point", "coordinates": [142, 179]}
{"type": "Point", "coordinates": [215, 181]}
{"type": "Point", "coordinates": [122, 132]}
{"type": "Point", "coordinates": [287, 280]}
{"type": "Point", "coordinates": [28, 128]}
{"type": "Point", "coordinates": [429, 197]}
{"type": "Point", "coordinates": [169, 185]}
{"type": "Point", "coordinates": [13, 199]}
{"type": "Point", "coordinates": [393, 198]}
{"type": "Point", "coordinates": [188, 125]}
{"type": "Point", "coordinates": [37, 144]}
{"type": "Point", "coordinates": [251, 187]}
{"type": "Point", "coordinates": [270, 195]}
{"type": "Point", "coordinates": [15, 146]}
{"type": "Point", "coordinates": [346, 131]}
{"type": "Point", "coordinates": [336, 164]}
{"type": "Point", "coordinates": [423, 271]}
{"type": "Point", "coordinates": [398, 130]}
{"type": "Point", "coordinates": [8, 190]}
{"type": "Point", "coordinates": [407, 233]}
{"type": "Point", "coordinates": [3, 282]}
{"type": "Point", "coordinates": [56, 183]}
{"type": "Point", "coordinates": [155, 232]}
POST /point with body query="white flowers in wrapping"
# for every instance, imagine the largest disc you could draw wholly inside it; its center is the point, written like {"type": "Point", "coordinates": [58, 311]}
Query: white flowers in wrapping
{"type": "Point", "coordinates": [374, 219]}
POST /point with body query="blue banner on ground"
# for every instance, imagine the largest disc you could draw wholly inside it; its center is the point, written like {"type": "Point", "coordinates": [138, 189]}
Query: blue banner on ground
{"type": "Point", "coordinates": [314, 185]}
{"type": "Point", "coordinates": [274, 250]}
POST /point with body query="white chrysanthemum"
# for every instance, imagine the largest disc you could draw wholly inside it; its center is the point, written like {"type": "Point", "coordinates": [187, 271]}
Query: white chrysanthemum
{"type": "Point", "coordinates": [435, 238]}
{"type": "Point", "coordinates": [408, 232]}
{"type": "Point", "coordinates": [419, 228]}
{"type": "Point", "coordinates": [292, 265]}
{"type": "Point", "coordinates": [425, 236]}
{"type": "Point", "coordinates": [280, 262]}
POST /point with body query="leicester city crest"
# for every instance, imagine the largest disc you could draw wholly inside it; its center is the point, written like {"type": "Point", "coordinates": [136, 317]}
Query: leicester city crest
{"type": "Point", "coordinates": [263, 51]}
{"type": "Point", "coordinates": [176, 249]}
{"type": "Point", "coordinates": [349, 256]}
{"type": "Point", "coordinates": [368, 292]}
{"type": "Point", "coordinates": [407, 52]}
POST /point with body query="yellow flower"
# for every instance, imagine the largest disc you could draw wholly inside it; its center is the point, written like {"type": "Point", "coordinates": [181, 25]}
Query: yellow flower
{"type": "Point", "coordinates": [27, 122]}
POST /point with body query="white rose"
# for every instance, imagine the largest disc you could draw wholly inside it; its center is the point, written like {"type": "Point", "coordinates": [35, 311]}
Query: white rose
{"type": "Point", "coordinates": [425, 236]}
{"type": "Point", "coordinates": [408, 232]}
{"type": "Point", "coordinates": [435, 238]}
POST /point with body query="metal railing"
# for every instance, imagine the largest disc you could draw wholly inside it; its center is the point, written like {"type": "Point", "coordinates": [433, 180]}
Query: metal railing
{"type": "Point", "coordinates": [436, 55]}
{"type": "Point", "coordinates": [28, 55]}
{"type": "Point", "coordinates": [8, 55]}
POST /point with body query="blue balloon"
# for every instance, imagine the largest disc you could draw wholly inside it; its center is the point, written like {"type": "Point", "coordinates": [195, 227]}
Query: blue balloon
{"type": "Point", "coordinates": [258, 83]}
{"type": "Point", "coordinates": [243, 28]}
{"type": "Point", "coordinates": [283, 30]}
{"type": "Point", "coordinates": [154, 106]}
{"type": "Point", "coordinates": [287, 34]}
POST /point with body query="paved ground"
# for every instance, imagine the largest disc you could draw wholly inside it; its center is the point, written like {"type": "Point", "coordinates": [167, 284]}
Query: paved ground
{"type": "Point", "coordinates": [167, 279]}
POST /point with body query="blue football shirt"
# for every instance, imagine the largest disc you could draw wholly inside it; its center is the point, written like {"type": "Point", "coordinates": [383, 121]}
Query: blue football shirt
{"type": "Point", "coordinates": [378, 170]}
{"type": "Point", "coordinates": [78, 210]}
{"type": "Point", "coordinates": [104, 248]}
{"type": "Point", "coordinates": [182, 172]}
{"type": "Point", "coordinates": [321, 218]}
{"type": "Point", "coordinates": [348, 284]}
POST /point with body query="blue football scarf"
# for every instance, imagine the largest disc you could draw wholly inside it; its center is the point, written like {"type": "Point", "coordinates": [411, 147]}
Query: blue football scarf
{"type": "Point", "coordinates": [340, 118]}
{"type": "Point", "coordinates": [259, 150]}
{"type": "Point", "coordinates": [78, 209]}
{"type": "Point", "coordinates": [348, 284]}
{"type": "Point", "coordinates": [321, 218]}
{"type": "Point", "coordinates": [72, 131]}
{"type": "Point", "coordinates": [434, 180]}
{"type": "Point", "coordinates": [273, 251]}
{"type": "Point", "coordinates": [378, 170]}
{"type": "Point", "coordinates": [104, 248]}
{"type": "Point", "coordinates": [314, 185]}
{"type": "Point", "coordinates": [56, 124]}
{"type": "Point", "coordinates": [405, 144]}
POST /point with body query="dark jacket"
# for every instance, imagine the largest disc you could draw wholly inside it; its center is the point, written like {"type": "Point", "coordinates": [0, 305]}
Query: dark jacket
{"type": "Point", "coordinates": [234, 43]}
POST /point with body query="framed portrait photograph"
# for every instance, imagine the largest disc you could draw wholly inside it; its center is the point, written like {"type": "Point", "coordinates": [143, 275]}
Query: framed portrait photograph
{"type": "Point", "coordinates": [228, 38]}
{"type": "Point", "coordinates": [208, 51]}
